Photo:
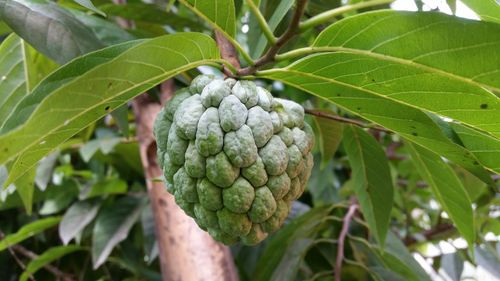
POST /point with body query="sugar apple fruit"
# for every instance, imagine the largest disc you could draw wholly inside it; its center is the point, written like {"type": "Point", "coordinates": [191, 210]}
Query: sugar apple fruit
{"type": "Point", "coordinates": [234, 157]}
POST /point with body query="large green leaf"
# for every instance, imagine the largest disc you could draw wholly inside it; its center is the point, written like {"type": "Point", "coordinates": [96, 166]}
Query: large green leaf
{"type": "Point", "coordinates": [220, 14]}
{"type": "Point", "coordinates": [28, 231]}
{"type": "Point", "coordinates": [89, 87]}
{"type": "Point", "coordinates": [284, 252]}
{"type": "Point", "coordinates": [76, 218]}
{"type": "Point", "coordinates": [25, 187]}
{"type": "Point", "coordinates": [49, 28]}
{"type": "Point", "coordinates": [112, 226]}
{"type": "Point", "coordinates": [446, 74]}
{"type": "Point", "coordinates": [488, 10]}
{"type": "Point", "coordinates": [447, 189]}
{"type": "Point", "coordinates": [485, 147]}
{"type": "Point", "coordinates": [151, 13]}
{"type": "Point", "coordinates": [407, 121]}
{"type": "Point", "coordinates": [21, 68]}
{"type": "Point", "coordinates": [47, 257]}
{"type": "Point", "coordinates": [372, 179]}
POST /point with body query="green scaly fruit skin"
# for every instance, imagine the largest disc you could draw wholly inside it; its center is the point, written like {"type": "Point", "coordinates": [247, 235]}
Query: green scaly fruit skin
{"type": "Point", "coordinates": [234, 157]}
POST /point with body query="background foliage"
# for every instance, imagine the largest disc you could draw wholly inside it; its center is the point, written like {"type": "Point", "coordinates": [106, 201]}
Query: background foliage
{"type": "Point", "coordinates": [404, 105]}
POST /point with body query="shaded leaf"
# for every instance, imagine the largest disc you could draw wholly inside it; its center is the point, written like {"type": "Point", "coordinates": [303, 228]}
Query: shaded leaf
{"type": "Point", "coordinates": [59, 197]}
{"type": "Point", "coordinates": [372, 179]}
{"type": "Point", "coordinates": [49, 28]}
{"type": "Point", "coordinates": [330, 136]}
{"type": "Point", "coordinates": [49, 116]}
{"type": "Point", "coordinates": [488, 258]}
{"type": "Point", "coordinates": [106, 187]}
{"type": "Point", "coordinates": [286, 249]}
{"type": "Point", "coordinates": [44, 170]}
{"type": "Point", "coordinates": [52, 254]}
{"type": "Point", "coordinates": [25, 187]}
{"type": "Point", "coordinates": [447, 189]}
{"type": "Point", "coordinates": [28, 231]}
{"type": "Point", "coordinates": [76, 218]}
{"type": "Point", "coordinates": [121, 118]}
{"type": "Point", "coordinates": [148, 231]}
{"type": "Point", "coordinates": [112, 226]}
{"type": "Point", "coordinates": [453, 265]}
{"type": "Point", "coordinates": [89, 5]}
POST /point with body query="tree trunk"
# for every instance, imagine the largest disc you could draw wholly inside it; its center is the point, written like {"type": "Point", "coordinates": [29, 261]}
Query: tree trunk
{"type": "Point", "coordinates": [187, 253]}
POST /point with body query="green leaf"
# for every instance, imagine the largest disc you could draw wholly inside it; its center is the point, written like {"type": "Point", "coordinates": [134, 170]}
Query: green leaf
{"type": "Point", "coordinates": [59, 197]}
{"type": "Point", "coordinates": [21, 68]}
{"type": "Point", "coordinates": [447, 74]}
{"type": "Point", "coordinates": [485, 147]}
{"type": "Point", "coordinates": [284, 252]}
{"type": "Point", "coordinates": [112, 226]}
{"type": "Point", "coordinates": [52, 254]}
{"type": "Point", "coordinates": [372, 179]}
{"type": "Point", "coordinates": [447, 189]}
{"type": "Point", "coordinates": [487, 10]}
{"type": "Point", "coordinates": [25, 187]}
{"type": "Point", "coordinates": [453, 265]}
{"type": "Point", "coordinates": [220, 14]}
{"type": "Point", "coordinates": [66, 101]}
{"type": "Point", "coordinates": [49, 28]}
{"type": "Point", "coordinates": [76, 218]}
{"type": "Point", "coordinates": [28, 231]}
{"type": "Point", "coordinates": [279, 11]}
{"type": "Point", "coordinates": [107, 32]}
{"type": "Point", "coordinates": [150, 13]}
{"type": "Point", "coordinates": [395, 257]}
{"type": "Point", "coordinates": [409, 122]}
{"type": "Point", "coordinates": [107, 186]}
{"type": "Point", "coordinates": [150, 243]}
{"type": "Point", "coordinates": [89, 5]}
{"type": "Point", "coordinates": [329, 136]}
{"type": "Point", "coordinates": [120, 115]}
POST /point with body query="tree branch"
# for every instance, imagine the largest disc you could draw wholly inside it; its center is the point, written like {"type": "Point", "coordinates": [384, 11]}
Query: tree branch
{"type": "Point", "coordinates": [343, 233]}
{"type": "Point", "coordinates": [431, 234]}
{"type": "Point", "coordinates": [291, 31]}
{"type": "Point", "coordinates": [29, 254]}
{"type": "Point", "coordinates": [345, 120]}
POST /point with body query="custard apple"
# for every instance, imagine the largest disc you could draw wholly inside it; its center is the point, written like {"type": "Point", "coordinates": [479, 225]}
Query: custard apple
{"type": "Point", "coordinates": [234, 157]}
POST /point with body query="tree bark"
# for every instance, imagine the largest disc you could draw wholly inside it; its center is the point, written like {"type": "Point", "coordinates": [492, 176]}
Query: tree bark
{"type": "Point", "coordinates": [187, 253]}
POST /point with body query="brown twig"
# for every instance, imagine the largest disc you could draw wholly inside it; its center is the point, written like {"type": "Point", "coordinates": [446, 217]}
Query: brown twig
{"type": "Point", "coordinates": [431, 234]}
{"type": "Point", "coordinates": [343, 233]}
{"type": "Point", "coordinates": [29, 254]}
{"type": "Point", "coordinates": [269, 56]}
{"type": "Point", "coordinates": [345, 120]}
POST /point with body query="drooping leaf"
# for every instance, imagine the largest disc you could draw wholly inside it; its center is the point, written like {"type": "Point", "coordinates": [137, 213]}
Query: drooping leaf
{"type": "Point", "coordinates": [150, 13]}
{"type": "Point", "coordinates": [66, 102]}
{"type": "Point", "coordinates": [447, 189]}
{"type": "Point", "coordinates": [28, 231]}
{"type": "Point", "coordinates": [395, 258]}
{"type": "Point", "coordinates": [25, 187]}
{"type": "Point", "coordinates": [76, 218]}
{"type": "Point", "coordinates": [453, 265]}
{"type": "Point", "coordinates": [330, 136]}
{"type": "Point", "coordinates": [107, 186]}
{"type": "Point", "coordinates": [52, 254]}
{"type": "Point", "coordinates": [485, 147]}
{"type": "Point", "coordinates": [372, 179]}
{"type": "Point", "coordinates": [21, 68]}
{"type": "Point", "coordinates": [107, 32]}
{"type": "Point", "coordinates": [112, 226]}
{"type": "Point", "coordinates": [488, 258]}
{"type": "Point", "coordinates": [148, 231]}
{"type": "Point", "coordinates": [44, 170]}
{"type": "Point", "coordinates": [89, 5]}
{"type": "Point", "coordinates": [120, 115]}
{"type": "Point", "coordinates": [453, 60]}
{"type": "Point", "coordinates": [59, 197]}
{"type": "Point", "coordinates": [487, 10]}
{"type": "Point", "coordinates": [284, 252]}
{"type": "Point", "coordinates": [220, 14]}
{"type": "Point", "coordinates": [49, 28]}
